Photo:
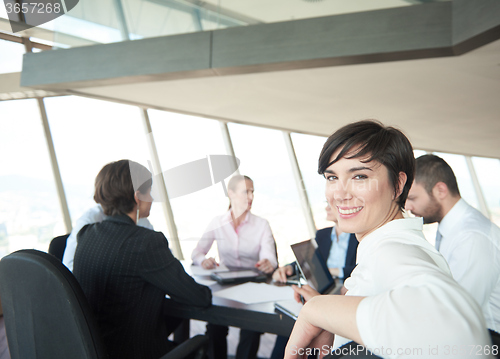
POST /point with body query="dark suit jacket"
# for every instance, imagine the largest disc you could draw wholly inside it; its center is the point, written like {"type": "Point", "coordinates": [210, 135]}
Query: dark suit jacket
{"type": "Point", "coordinates": [125, 271]}
{"type": "Point", "coordinates": [324, 240]}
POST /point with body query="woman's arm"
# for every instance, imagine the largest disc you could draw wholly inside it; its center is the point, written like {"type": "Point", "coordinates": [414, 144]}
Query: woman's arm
{"type": "Point", "coordinates": [322, 315]}
{"type": "Point", "coordinates": [203, 246]}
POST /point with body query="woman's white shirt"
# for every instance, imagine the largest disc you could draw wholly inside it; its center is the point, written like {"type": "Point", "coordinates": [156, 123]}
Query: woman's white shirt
{"type": "Point", "coordinates": [244, 246]}
{"type": "Point", "coordinates": [413, 308]}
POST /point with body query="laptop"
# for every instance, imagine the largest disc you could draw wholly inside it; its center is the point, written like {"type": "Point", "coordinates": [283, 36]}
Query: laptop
{"type": "Point", "coordinates": [313, 267]}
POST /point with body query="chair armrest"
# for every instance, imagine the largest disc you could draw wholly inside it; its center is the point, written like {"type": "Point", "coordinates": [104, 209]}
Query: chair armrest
{"type": "Point", "coordinates": [189, 348]}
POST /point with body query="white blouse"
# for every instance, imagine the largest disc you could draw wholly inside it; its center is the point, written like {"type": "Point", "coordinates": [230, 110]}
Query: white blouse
{"type": "Point", "coordinates": [240, 247]}
{"type": "Point", "coordinates": [414, 308]}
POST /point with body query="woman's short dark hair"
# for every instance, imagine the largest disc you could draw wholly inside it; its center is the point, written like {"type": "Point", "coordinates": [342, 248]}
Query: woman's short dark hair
{"type": "Point", "coordinates": [116, 184]}
{"type": "Point", "coordinates": [371, 139]}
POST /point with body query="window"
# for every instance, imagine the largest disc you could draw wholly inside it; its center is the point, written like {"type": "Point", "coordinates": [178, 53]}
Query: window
{"type": "Point", "coordinates": [12, 56]}
{"type": "Point", "coordinates": [30, 215]}
{"type": "Point", "coordinates": [307, 150]}
{"type": "Point", "coordinates": [180, 140]}
{"type": "Point", "coordinates": [88, 134]}
{"type": "Point", "coordinates": [264, 159]}
{"type": "Point", "coordinates": [488, 173]}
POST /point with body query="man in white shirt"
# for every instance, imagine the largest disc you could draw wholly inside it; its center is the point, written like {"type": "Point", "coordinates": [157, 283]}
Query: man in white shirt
{"type": "Point", "coordinates": [94, 214]}
{"type": "Point", "coordinates": [468, 240]}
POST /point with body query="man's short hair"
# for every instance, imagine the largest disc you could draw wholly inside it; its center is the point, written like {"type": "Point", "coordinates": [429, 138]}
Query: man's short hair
{"type": "Point", "coordinates": [370, 138]}
{"type": "Point", "coordinates": [431, 169]}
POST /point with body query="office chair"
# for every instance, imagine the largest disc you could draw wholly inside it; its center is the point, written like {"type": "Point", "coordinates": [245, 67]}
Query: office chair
{"type": "Point", "coordinates": [57, 246]}
{"type": "Point", "coordinates": [47, 314]}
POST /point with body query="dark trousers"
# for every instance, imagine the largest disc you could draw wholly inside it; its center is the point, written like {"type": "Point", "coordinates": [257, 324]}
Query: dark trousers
{"type": "Point", "coordinates": [279, 347]}
{"type": "Point", "coordinates": [217, 347]}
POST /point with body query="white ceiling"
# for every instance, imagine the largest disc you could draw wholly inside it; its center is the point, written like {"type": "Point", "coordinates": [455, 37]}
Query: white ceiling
{"type": "Point", "coordinates": [444, 104]}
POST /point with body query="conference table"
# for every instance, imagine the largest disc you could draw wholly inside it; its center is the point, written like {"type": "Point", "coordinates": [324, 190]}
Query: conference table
{"type": "Point", "coordinates": [260, 317]}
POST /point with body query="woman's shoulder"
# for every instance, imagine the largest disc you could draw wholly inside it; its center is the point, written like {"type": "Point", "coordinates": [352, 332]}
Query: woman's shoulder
{"type": "Point", "coordinates": [256, 219]}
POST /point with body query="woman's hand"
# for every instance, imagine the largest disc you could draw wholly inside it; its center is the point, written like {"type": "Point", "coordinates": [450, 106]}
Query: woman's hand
{"type": "Point", "coordinates": [264, 265]}
{"type": "Point", "coordinates": [307, 292]}
{"type": "Point", "coordinates": [281, 274]}
{"type": "Point", "coordinates": [305, 335]}
{"type": "Point", "coordinates": [209, 263]}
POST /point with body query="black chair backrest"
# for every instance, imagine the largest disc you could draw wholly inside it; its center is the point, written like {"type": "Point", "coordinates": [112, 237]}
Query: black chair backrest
{"type": "Point", "coordinates": [46, 312]}
{"type": "Point", "coordinates": [57, 246]}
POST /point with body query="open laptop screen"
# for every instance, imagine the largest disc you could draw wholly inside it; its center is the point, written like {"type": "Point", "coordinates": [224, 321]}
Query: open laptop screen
{"type": "Point", "coordinates": [313, 266]}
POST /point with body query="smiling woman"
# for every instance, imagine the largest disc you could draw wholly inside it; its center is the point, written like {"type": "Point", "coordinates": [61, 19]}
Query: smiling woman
{"type": "Point", "coordinates": [401, 300]}
{"type": "Point", "coordinates": [369, 173]}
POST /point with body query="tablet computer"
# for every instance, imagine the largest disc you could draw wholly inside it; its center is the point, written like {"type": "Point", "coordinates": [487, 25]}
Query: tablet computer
{"type": "Point", "coordinates": [239, 276]}
{"type": "Point", "coordinates": [313, 267]}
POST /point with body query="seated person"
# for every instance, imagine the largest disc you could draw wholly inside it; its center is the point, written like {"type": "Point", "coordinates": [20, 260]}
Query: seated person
{"type": "Point", "coordinates": [125, 270]}
{"type": "Point", "coordinates": [337, 249]}
{"type": "Point", "coordinates": [243, 240]}
{"type": "Point", "coordinates": [339, 252]}
{"type": "Point", "coordinates": [94, 214]}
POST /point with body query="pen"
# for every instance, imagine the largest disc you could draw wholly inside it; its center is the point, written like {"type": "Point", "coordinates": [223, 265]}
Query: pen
{"type": "Point", "coordinates": [299, 282]}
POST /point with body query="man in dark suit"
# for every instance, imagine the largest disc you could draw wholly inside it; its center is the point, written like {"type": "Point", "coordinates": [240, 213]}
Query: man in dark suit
{"type": "Point", "coordinates": [125, 270]}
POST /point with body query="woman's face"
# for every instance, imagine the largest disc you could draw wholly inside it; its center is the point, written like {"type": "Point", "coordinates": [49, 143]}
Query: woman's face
{"type": "Point", "coordinates": [146, 200]}
{"type": "Point", "coordinates": [242, 196]}
{"type": "Point", "coordinates": [361, 194]}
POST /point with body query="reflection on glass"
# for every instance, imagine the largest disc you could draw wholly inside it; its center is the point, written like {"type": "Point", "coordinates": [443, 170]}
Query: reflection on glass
{"type": "Point", "coordinates": [180, 140]}
{"type": "Point", "coordinates": [88, 134]}
{"type": "Point", "coordinates": [488, 173]}
{"type": "Point", "coordinates": [307, 150]}
{"type": "Point", "coordinates": [111, 21]}
{"type": "Point", "coordinates": [30, 215]}
{"type": "Point", "coordinates": [11, 58]}
{"type": "Point", "coordinates": [264, 158]}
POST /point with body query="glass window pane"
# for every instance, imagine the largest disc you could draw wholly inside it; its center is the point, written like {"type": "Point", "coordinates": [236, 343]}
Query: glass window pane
{"type": "Point", "coordinates": [180, 140]}
{"type": "Point", "coordinates": [488, 173]}
{"type": "Point", "coordinates": [30, 215]}
{"type": "Point", "coordinates": [11, 58]}
{"type": "Point", "coordinates": [88, 134]}
{"type": "Point", "coordinates": [307, 150]}
{"type": "Point", "coordinates": [418, 153]}
{"type": "Point", "coordinates": [264, 158]}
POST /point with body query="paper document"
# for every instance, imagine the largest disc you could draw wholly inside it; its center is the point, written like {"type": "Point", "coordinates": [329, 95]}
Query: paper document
{"type": "Point", "coordinates": [251, 293]}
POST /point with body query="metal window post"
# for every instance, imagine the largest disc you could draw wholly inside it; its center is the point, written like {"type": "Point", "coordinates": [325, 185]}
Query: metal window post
{"type": "Point", "coordinates": [173, 236]}
{"type": "Point", "coordinates": [63, 203]}
{"type": "Point", "coordinates": [304, 200]}
{"type": "Point", "coordinates": [228, 143]}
